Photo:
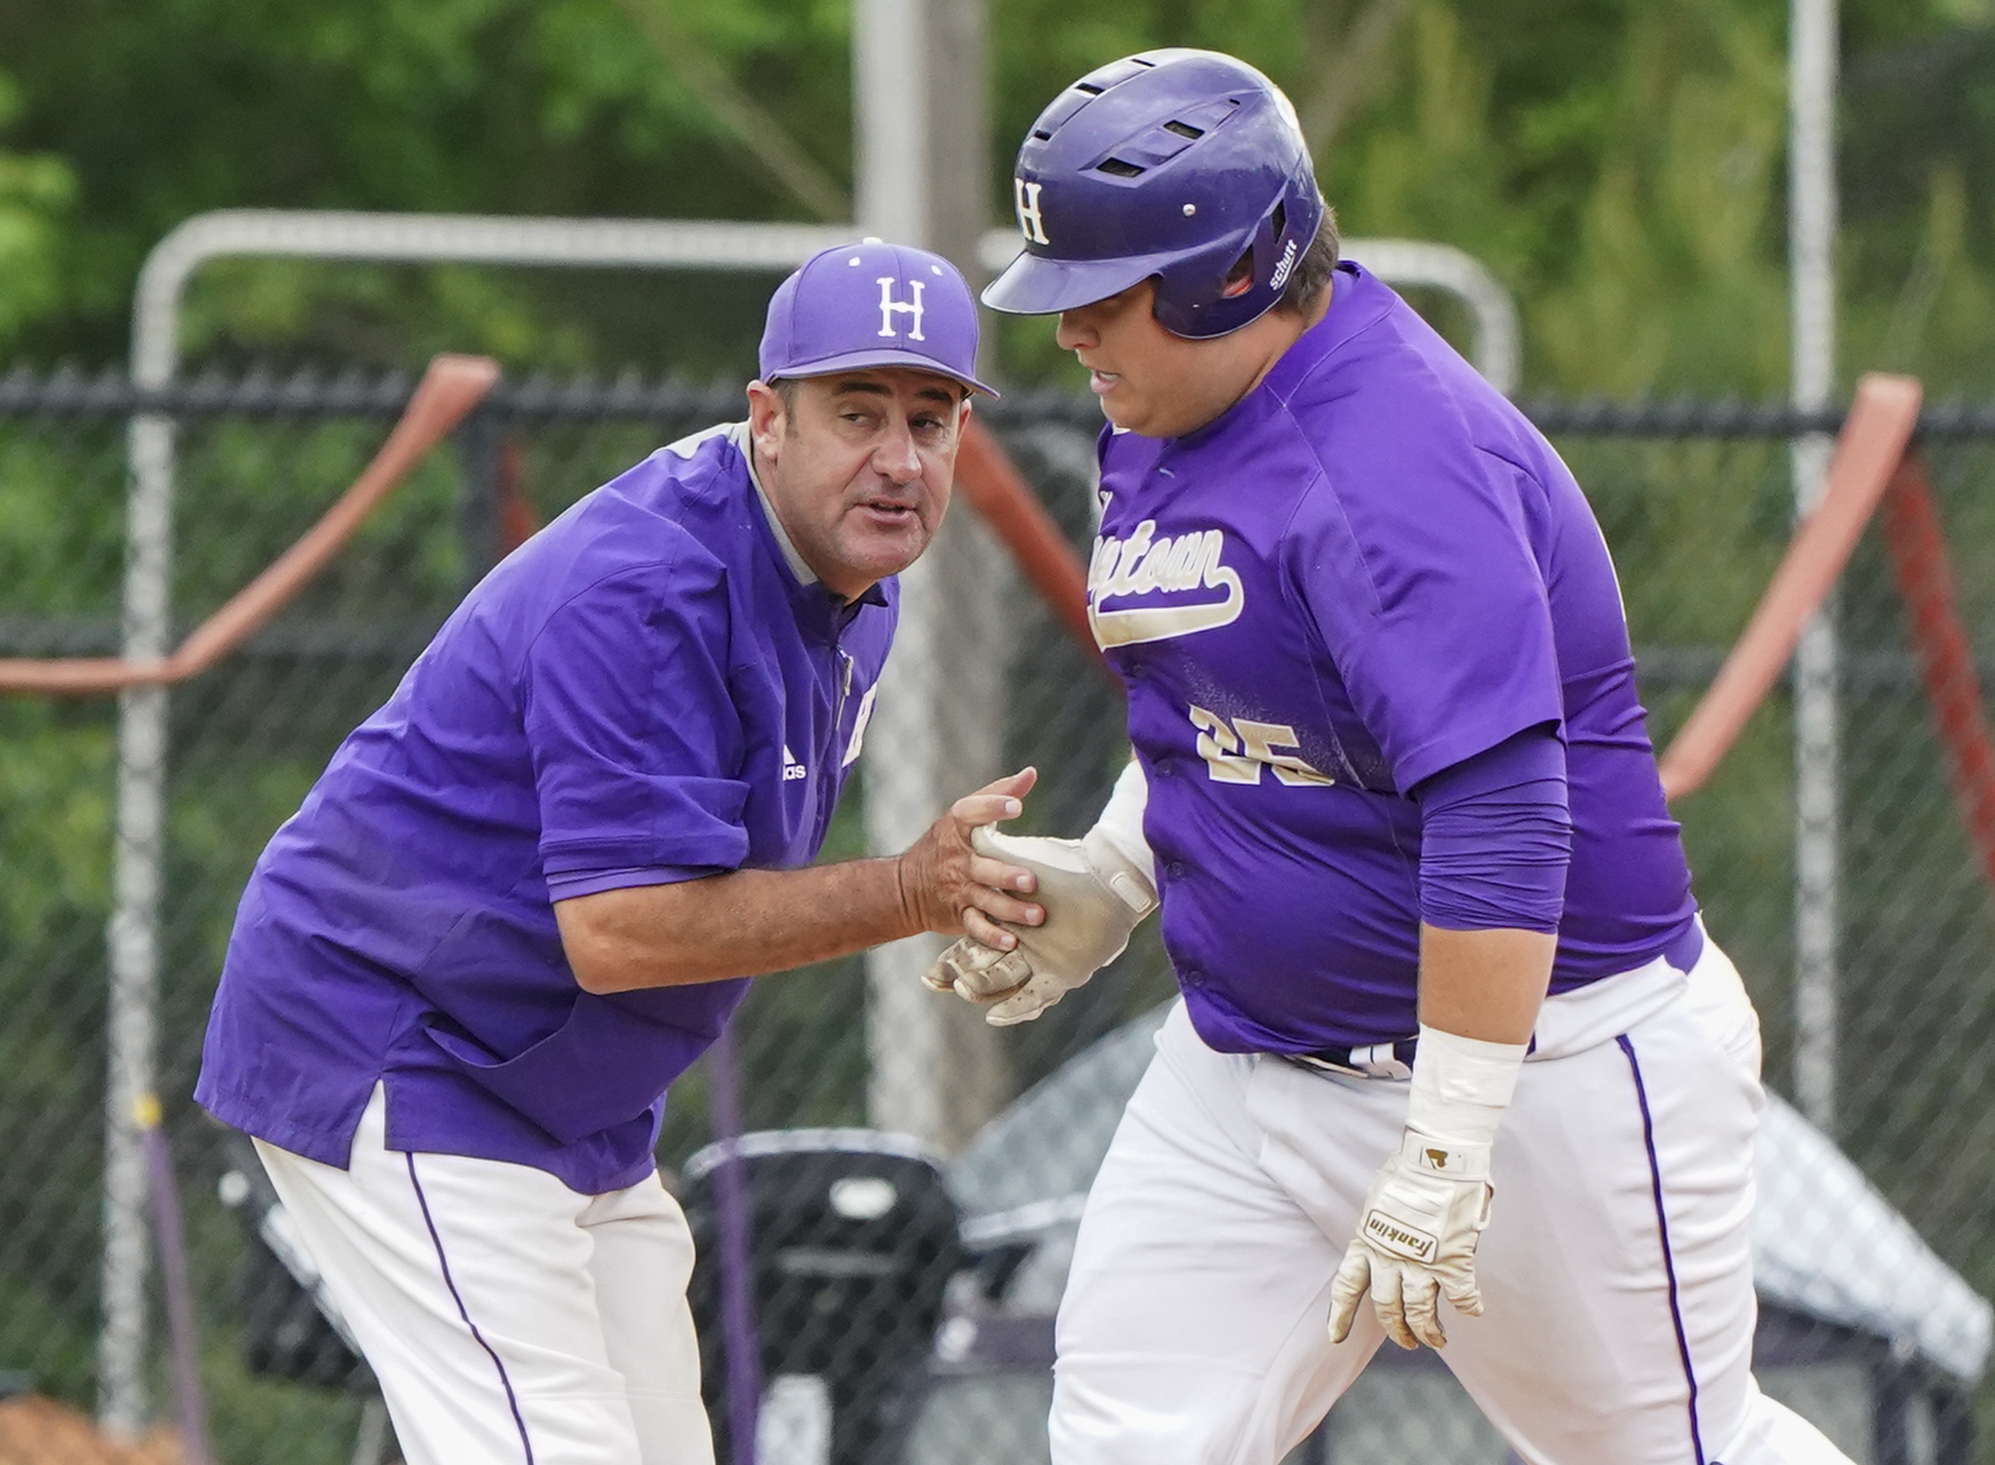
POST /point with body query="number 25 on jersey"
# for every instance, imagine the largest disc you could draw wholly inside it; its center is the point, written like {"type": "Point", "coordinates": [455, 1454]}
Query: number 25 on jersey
{"type": "Point", "coordinates": [1237, 751]}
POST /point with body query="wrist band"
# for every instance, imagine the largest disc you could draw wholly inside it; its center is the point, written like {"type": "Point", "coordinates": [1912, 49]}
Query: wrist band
{"type": "Point", "coordinates": [1121, 822]}
{"type": "Point", "coordinates": [1461, 1086]}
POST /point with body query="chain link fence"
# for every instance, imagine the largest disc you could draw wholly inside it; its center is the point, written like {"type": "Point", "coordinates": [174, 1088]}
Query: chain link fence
{"type": "Point", "coordinates": [889, 1296]}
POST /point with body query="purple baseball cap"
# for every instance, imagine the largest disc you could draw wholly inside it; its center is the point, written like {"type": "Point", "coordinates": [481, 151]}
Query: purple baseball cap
{"type": "Point", "coordinates": [872, 304]}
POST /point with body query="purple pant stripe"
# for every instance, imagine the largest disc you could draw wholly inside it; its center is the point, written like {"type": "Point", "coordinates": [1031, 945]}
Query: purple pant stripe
{"type": "Point", "coordinates": [506, 1383]}
{"type": "Point", "coordinates": [1669, 1261]}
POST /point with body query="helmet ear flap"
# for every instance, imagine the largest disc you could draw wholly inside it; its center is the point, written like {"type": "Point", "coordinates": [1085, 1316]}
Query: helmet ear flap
{"type": "Point", "coordinates": [1194, 299]}
{"type": "Point", "coordinates": [1187, 291]}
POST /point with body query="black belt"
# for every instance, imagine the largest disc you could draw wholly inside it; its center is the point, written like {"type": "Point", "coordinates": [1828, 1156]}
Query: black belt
{"type": "Point", "coordinates": [1395, 1059]}
{"type": "Point", "coordinates": [1367, 1060]}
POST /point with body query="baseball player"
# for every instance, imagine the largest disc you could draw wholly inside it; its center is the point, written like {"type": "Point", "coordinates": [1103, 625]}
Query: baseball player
{"type": "Point", "coordinates": [1455, 1062]}
{"type": "Point", "coordinates": [524, 894]}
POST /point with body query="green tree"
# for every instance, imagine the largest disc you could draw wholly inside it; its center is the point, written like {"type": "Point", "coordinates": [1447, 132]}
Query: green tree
{"type": "Point", "coordinates": [36, 190]}
{"type": "Point", "coordinates": [1619, 163]}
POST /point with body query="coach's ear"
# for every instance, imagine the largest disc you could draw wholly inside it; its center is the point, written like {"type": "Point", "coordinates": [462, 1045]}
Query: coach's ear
{"type": "Point", "coordinates": [766, 411]}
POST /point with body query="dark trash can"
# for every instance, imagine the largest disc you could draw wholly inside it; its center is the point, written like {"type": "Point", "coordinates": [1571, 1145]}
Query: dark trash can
{"type": "Point", "coordinates": [852, 1242]}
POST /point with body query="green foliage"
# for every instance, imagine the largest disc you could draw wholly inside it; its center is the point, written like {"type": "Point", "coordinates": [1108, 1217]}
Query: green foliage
{"type": "Point", "coordinates": [55, 832]}
{"type": "Point", "coordinates": [61, 544]}
{"type": "Point", "coordinates": [35, 192]}
{"type": "Point", "coordinates": [1621, 166]}
{"type": "Point", "coordinates": [55, 844]}
{"type": "Point", "coordinates": [570, 107]}
{"type": "Point", "coordinates": [272, 1419]}
{"type": "Point", "coordinates": [53, 1331]}
{"type": "Point", "coordinates": [269, 487]}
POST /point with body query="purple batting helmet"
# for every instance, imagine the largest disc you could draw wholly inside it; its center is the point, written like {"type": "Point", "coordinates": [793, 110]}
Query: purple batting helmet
{"type": "Point", "coordinates": [1174, 164]}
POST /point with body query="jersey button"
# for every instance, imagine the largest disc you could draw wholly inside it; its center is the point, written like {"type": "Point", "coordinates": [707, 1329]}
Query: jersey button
{"type": "Point", "coordinates": [1176, 869]}
{"type": "Point", "coordinates": [1193, 977]}
{"type": "Point", "coordinates": [1163, 768]}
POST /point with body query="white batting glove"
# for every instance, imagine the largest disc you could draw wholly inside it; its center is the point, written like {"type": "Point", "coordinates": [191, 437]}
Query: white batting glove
{"type": "Point", "coordinates": [1426, 1209]}
{"type": "Point", "coordinates": [1093, 895]}
{"type": "Point", "coordinates": [1416, 1241]}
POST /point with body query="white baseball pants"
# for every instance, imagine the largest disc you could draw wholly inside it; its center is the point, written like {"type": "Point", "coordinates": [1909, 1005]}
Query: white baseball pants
{"type": "Point", "coordinates": [509, 1320]}
{"type": "Point", "coordinates": [1616, 1272]}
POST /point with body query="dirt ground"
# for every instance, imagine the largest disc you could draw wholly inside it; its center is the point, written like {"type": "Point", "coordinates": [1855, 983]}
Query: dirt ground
{"type": "Point", "coordinates": [39, 1431]}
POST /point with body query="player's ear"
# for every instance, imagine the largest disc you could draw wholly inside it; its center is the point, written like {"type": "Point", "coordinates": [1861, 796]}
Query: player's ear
{"type": "Point", "coordinates": [1239, 279]}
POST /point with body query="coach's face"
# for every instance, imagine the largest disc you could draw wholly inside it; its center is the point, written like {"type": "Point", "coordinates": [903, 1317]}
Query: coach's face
{"type": "Point", "coordinates": [859, 467]}
{"type": "Point", "coordinates": [1160, 385]}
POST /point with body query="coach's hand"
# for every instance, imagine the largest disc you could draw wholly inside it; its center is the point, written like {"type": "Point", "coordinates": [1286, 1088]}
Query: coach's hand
{"type": "Point", "coordinates": [1416, 1241]}
{"type": "Point", "coordinates": [1093, 896]}
{"type": "Point", "coordinates": [949, 886]}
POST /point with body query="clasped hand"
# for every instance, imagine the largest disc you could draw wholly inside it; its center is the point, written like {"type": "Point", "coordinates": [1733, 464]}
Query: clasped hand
{"type": "Point", "coordinates": [1093, 897]}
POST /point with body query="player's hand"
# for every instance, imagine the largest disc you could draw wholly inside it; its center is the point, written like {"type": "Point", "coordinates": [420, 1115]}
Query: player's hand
{"type": "Point", "coordinates": [1416, 1241]}
{"type": "Point", "coordinates": [1093, 896]}
{"type": "Point", "coordinates": [949, 886]}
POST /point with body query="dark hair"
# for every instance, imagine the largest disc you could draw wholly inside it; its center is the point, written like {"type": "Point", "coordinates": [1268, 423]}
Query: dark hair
{"type": "Point", "coordinates": [1311, 275]}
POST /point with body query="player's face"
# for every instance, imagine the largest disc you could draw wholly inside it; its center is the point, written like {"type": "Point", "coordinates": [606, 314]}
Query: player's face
{"type": "Point", "coordinates": [860, 468]}
{"type": "Point", "coordinates": [1152, 382]}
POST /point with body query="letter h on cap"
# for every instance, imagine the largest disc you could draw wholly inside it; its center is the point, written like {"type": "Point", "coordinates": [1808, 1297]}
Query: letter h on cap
{"type": "Point", "coordinates": [890, 307]}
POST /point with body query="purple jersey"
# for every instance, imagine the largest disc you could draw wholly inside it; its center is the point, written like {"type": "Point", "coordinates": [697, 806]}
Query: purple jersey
{"type": "Point", "coordinates": [645, 692]}
{"type": "Point", "coordinates": [1369, 569]}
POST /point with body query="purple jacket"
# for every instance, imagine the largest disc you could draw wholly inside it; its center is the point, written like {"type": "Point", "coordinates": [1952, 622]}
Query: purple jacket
{"type": "Point", "coordinates": [644, 692]}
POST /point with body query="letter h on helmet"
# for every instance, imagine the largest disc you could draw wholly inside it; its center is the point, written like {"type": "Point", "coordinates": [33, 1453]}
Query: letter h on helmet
{"type": "Point", "coordinates": [1174, 164]}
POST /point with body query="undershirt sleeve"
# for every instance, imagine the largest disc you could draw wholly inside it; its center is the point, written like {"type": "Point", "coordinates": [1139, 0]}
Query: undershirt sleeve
{"type": "Point", "coordinates": [1496, 838]}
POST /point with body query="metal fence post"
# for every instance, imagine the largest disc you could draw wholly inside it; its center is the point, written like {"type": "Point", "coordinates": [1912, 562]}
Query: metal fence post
{"type": "Point", "coordinates": [133, 935]}
{"type": "Point", "coordinates": [1817, 672]}
{"type": "Point", "coordinates": [936, 1071]}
